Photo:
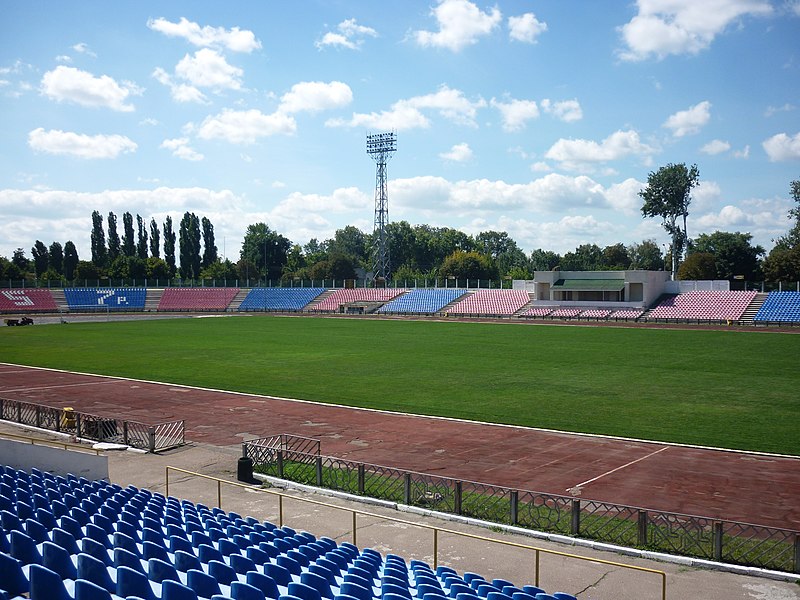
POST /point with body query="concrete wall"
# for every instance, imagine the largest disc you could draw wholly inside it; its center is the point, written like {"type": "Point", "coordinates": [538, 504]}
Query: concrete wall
{"type": "Point", "coordinates": [53, 460]}
{"type": "Point", "coordinates": [652, 286]}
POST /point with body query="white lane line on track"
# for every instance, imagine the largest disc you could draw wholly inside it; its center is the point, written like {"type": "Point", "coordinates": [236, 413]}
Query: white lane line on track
{"type": "Point", "coordinates": [576, 488]}
{"type": "Point", "coordinates": [56, 387]}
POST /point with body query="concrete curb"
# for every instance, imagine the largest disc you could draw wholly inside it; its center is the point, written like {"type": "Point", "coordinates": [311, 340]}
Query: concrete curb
{"type": "Point", "coordinates": [685, 561]}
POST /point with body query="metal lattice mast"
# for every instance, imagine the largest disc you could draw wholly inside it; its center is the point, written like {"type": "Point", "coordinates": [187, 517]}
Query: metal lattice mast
{"type": "Point", "coordinates": [380, 147]}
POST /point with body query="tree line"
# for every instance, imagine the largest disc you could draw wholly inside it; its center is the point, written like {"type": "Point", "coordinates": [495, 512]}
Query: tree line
{"type": "Point", "coordinates": [149, 250]}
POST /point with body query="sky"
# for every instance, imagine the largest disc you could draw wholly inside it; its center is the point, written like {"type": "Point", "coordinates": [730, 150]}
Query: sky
{"type": "Point", "coordinates": [541, 118]}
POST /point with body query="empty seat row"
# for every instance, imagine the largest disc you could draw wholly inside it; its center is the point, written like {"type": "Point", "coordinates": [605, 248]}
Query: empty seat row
{"type": "Point", "coordinates": [491, 302]}
{"type": "Point", "coordinates": [422, 301]}
{"type": "Point", "coordinates": [27, 300]}
{"type": "Point", "coordinates": [332, 302]}
{"type": "Point", "coordinates": [278, 299]}
{"type": "Point", "coordinates": [99, 541]}
{"type": "Point", "coordinates": [200, 299]}
{"type": "Point", "coordinates": [780, 307]}
{"type": "Point", "coordinates": [111, 298]}
{"type": "Point", "coordinates": [704, 305]}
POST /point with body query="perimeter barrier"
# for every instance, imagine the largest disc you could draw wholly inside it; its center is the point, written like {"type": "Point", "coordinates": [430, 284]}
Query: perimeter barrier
{"type": "Point", "coordinates": [672, 533]}
{"type": "Point", "coordinates": [436, 531]}
{"type": "Point", "coordinates": [152, 438]}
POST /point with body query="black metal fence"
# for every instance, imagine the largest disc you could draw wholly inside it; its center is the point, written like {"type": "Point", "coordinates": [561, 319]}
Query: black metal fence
{"type": "Point", "coordinates": [102, 429]}
{"type": "Point", "coordinates": [672, 533]}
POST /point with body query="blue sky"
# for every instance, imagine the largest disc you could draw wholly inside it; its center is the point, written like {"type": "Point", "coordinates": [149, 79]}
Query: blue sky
{"type": "Point", "coordinates": [540, 118]}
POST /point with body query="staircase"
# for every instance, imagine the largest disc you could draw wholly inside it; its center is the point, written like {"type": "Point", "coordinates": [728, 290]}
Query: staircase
{"type": "Point", "coordinates": [60, 299]}
{"type": "Point", "coordinates": [313, 306]}
{"type": "Point", "coordinates": [237, 300]}
{"type": "Point", "coordinates": [750, 312]}
{"type": "Point", "coordinates": [446, 308]}
{"type": "Point", "coordinates": [152, 299]}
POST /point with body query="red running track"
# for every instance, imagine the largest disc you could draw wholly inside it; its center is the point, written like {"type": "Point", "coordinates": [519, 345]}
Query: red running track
{"type": "Point", "coordinates": [727, 485]}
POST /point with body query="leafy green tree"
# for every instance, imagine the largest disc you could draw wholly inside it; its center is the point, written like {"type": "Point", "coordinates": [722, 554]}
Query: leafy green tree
{"type": "Point", "coordinates": [70, 260]}
{"type": "Point", "coordinates": [646, 256]}
{"type": "Point", "coordinates": [86, 270]}
{"type": "Point", "coordinates": [98, 239]}
{"type": "Point", "coordinates": [155, 239]}
{"type": "Point", "coordinates": [615, 258]}
{"type": "Point", "coordinates": [544, 260]}
{"type": "Point", "coordinates": [19, 260]}
{"type": "Point", "coordinates": [402, 241]}
{"type": "Point", "coordinates": [698, 266]}
{"type": "Point", "coordinates": [57, 258]}
{"type": "Point", "coordinates": [169, 245]}
{"type": "Point", "coordinates": [41, 258]}
{"type": "Point", "coordinates": [266, 249]}
{"type": "Point", "coordinates": [141, 237]}
{"type": "Point", "coordinates": [157, 268]}
{"type": "Point", "coordinates": [792, 239]}
{"type": "Point", "coordinates": [586, 257]}
{"type": "Point", "coordinates": [337, 266]}
{"type": "Point", "coordinates": [733, 254]}
{"type": "Point", "coordinates": [220, 270]}
{"type": "Point", "coordinates": [351, 241]}
{"type": "Point", "coordinates": [468, 265]}
{"type": "Point", "coordinates": [8, 270]}
{"type": "Point", "coordinates": [128, 242]}
{"type": "Point", "coordinates": [295, 263]}
{"type": "Point", "coordinates": [315, 251]}
{"type": "Point", "coordinates": [189, 246]}
{"type": "Point", "coordinates": [113, 238]}
{"type": "Point", "coordinates": [668, 195]}
{"type": "Point", "coordinates": [783, 264]}
{"type": "Point", "coordinates": [520, 273]}
{"type": "Point", "coordinates": [209, 248]}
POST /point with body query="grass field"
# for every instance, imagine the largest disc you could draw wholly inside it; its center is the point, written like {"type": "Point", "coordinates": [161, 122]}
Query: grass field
{"type": "Point", "coordinates": [716, 388]}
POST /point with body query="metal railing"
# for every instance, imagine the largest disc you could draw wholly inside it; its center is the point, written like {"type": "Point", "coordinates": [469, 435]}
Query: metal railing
{"type": "Point", "coordinates": [673, 533]}
{"type": "Point", "coordinates": [355, 513]}
{"type": "Point", "coordinates": [34, 441]}
{"type": "Point", "coordinates": [152, 438]}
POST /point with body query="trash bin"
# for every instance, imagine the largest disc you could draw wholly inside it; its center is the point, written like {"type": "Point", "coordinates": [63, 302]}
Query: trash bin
{"type": "Point", "coordinates": [68, 418]}
{"type": "Point", "coordinates": [244, 470]}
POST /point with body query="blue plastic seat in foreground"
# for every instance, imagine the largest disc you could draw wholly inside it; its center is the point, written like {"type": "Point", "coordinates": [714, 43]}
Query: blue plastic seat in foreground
{"type": "Point", "coordinates": [564, 596]}
{"type": "Point", "coordinates": [173, 590]}
{"type": "Point", "coordinates": [245, 591]}
{"type": "Point", "coordinates": [47, 585]}
{"type": "Point", "coordinates": [86, 590]}
{"type": "Point", "coordinates": [133, 583]}
{"type": "Point", "coordinates": [12, 578]}
{"type": "Point", "coordinates": [202, 583]}
{"type": "Point", "coordinates": [55, 558]}
{"type": "Point", "coordinates": [91, 569]}
{"type": "Point", "coordinates": [265, 583]}
{"type": "Point", "coordinates": [545, 597]}
{"type": "Point", "coordinates": [355, 590]}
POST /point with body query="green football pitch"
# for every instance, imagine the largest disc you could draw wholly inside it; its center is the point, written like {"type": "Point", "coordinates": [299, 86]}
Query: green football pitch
{"type": "Point", "coordinates": [729, 389]}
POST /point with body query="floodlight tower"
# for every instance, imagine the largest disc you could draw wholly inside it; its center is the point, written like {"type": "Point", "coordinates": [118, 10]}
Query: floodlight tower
{"type": "Point", "coordinates": [380, 147]}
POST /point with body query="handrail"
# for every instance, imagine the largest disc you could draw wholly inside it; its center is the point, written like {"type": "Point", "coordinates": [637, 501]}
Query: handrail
{"type": "Point", "coordinates": [42, 442]}
{"type": "Point", "coordinates": [436, 530]}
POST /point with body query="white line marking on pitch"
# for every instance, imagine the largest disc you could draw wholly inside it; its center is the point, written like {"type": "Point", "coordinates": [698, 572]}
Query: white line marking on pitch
{"type": "Point", "coordinates": [55, 387]}
{"type": "Point", "coordinates": [576, 490]}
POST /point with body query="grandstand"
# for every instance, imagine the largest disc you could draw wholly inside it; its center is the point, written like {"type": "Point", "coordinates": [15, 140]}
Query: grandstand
{"type": "Point", "coordinates": [105, 298]}
{"type": "Point", "coordinates": [422, 301]}
{"type": "Point", "coordinates": [27, 300]}
{"type": "Point", "coordinates": [279, 299]}
{"type": "Point", "coordinates": [198, 299]}
{"type": "Point", "coordinates": [68, 538]}
{"type": "Point", "coordinates": [779, 307]}
{"type": "Point", "coordinates": [355, 300]}
{"type": "Point", "coordinates": [491, 302]}
{"type": "Point", "coordinates": [703, 306]}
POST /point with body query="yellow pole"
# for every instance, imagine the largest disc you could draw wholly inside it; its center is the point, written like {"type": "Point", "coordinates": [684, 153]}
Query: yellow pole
{"type": "Point", "coordinates": [536, 583]}
{"type": "Point", "coordinates": [435, 549]}
{"type": "Point", "coordinates": [355, 543]}
{"type": "Point", "coordinates": [219, 493]}
{"type": "Point", "coordinates": [280, 510]}
{"type": "Point", "coordinates": [166, 477]}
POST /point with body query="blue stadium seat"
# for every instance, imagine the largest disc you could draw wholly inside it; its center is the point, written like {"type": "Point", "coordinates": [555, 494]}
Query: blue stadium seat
{"type": "Point", "coordinates": [47, 585]}
{"type": "Point", "coordinates": [279, 299]}
{"type": "Point", "coordinates": [105, 298]}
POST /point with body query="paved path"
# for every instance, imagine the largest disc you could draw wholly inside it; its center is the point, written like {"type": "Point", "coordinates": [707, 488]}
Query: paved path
{"type": "Point", "coordinates": [726, 485]}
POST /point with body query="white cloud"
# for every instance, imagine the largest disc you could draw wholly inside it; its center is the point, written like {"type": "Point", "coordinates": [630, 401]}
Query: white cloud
{"type": "Point", "coordinates": [149, 121]}
{"type": "Point", "coordinates": [458, 153]}
{"type": "Point", "coordinates": [180, 92]}
{"type": "Point", "coordinates": [314, 96]}
{"type": "Point", "coordinates": [349, 35]}
{"type": "Point", "coordinates": [715, 147]}
{"type": "Point", "coordinates": [83, 48]}
{"type": "Point", "coordinates": [541, 167]}
{"type": "Point", "coordinates": [181, 149]}
{"type": "Point", "coordinates": [208, 68]}
{"type": "Point", "coordinates": [461, 23]}
{"type": "Point", "coordinates": [80, 145]}
{"type": "Point", "coordinates": [516, 113]}
{"type": "Point", "coordinates": [525, 28]}
{"type": "Point", "coordinates": [764, 219]}
{"type": "Point", "coordinates": [234, 39]}
{"type": "Point", "coordinates": [565, 110]}
{"type": "Point", "coordinates": [689, 121]}
{"type": "Point", "coordinates": [579, 153]}
{"type": "Point", "coordinates": [781, 147]}
{"type": "Point", "coordinates": [743, 153]}
{"type": "Point", "coordinates": [63, 58]}
{"type": "Point", "coordinates": [245, 126]}
{"type": "Point", "coordinates": [407, 113]}
{"type": "Point", "coordinates": [773, 110]}
{"type": "Point", "coordinates": [706, 195]}
{"type": "Point", "coordinates": [74, 85]}
{"type": "Point", "coordinates": [664, 27]}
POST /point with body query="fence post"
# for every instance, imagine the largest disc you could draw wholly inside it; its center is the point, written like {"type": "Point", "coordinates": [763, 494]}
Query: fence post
{"type": "Point", "coordinates": [514, 507]}
{"type": "Point", "coordinates": [38, 416]}
{"type": "Point", "coordinates": [57, 414]}
{"type": "Point", "coordinates": [78, 420]}
{"type": "Point", "coordinates": [19, 412]}
{"type": "Point", "coordinates": [151, 439]}
{"type": "Point", "coordinates": [407, 488]}
{"type": "Point", "coordinates": [642, 528]}
{"type": "Point", "coordinates": [280, 464]}
{"type": "Point", "coordinates": [318, 461]}
{"type": "Point", "coordinates": [361, 479]}
{"type": "Point", "coordinates": [457, 498]}
{"type": "Point", "coordinates": [125, 432]}
{"type": "Point", "coordinates": [718, 540]}
{"type": "Point", "coordinates": [575, 525]}
{"type": "Point", "coordinates": [797, 553]}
